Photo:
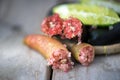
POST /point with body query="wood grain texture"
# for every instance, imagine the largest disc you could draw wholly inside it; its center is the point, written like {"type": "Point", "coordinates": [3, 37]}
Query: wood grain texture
{"type": "Point", "coordinates": [17, 61]}
{"type": "Point", "coordinates": [103, 68]}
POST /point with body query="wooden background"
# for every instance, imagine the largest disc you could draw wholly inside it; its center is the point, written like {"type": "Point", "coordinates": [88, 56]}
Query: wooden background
{"type": "Point", "coordinates": [19, 18]}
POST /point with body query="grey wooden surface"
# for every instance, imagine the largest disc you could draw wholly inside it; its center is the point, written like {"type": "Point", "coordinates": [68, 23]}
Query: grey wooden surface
{"type": "Point", "coordinates": [18, 62]}
{"type": "Point", "coordinates": [18, 19]}
{"type": "Point", "coordinates": [103, 68]}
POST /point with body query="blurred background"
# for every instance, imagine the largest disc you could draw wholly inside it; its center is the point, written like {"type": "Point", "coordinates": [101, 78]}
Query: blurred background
{"type": "Point", "coordinates": [19, 18]}
{"type": "Point", "coordinates": [27, 13]}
